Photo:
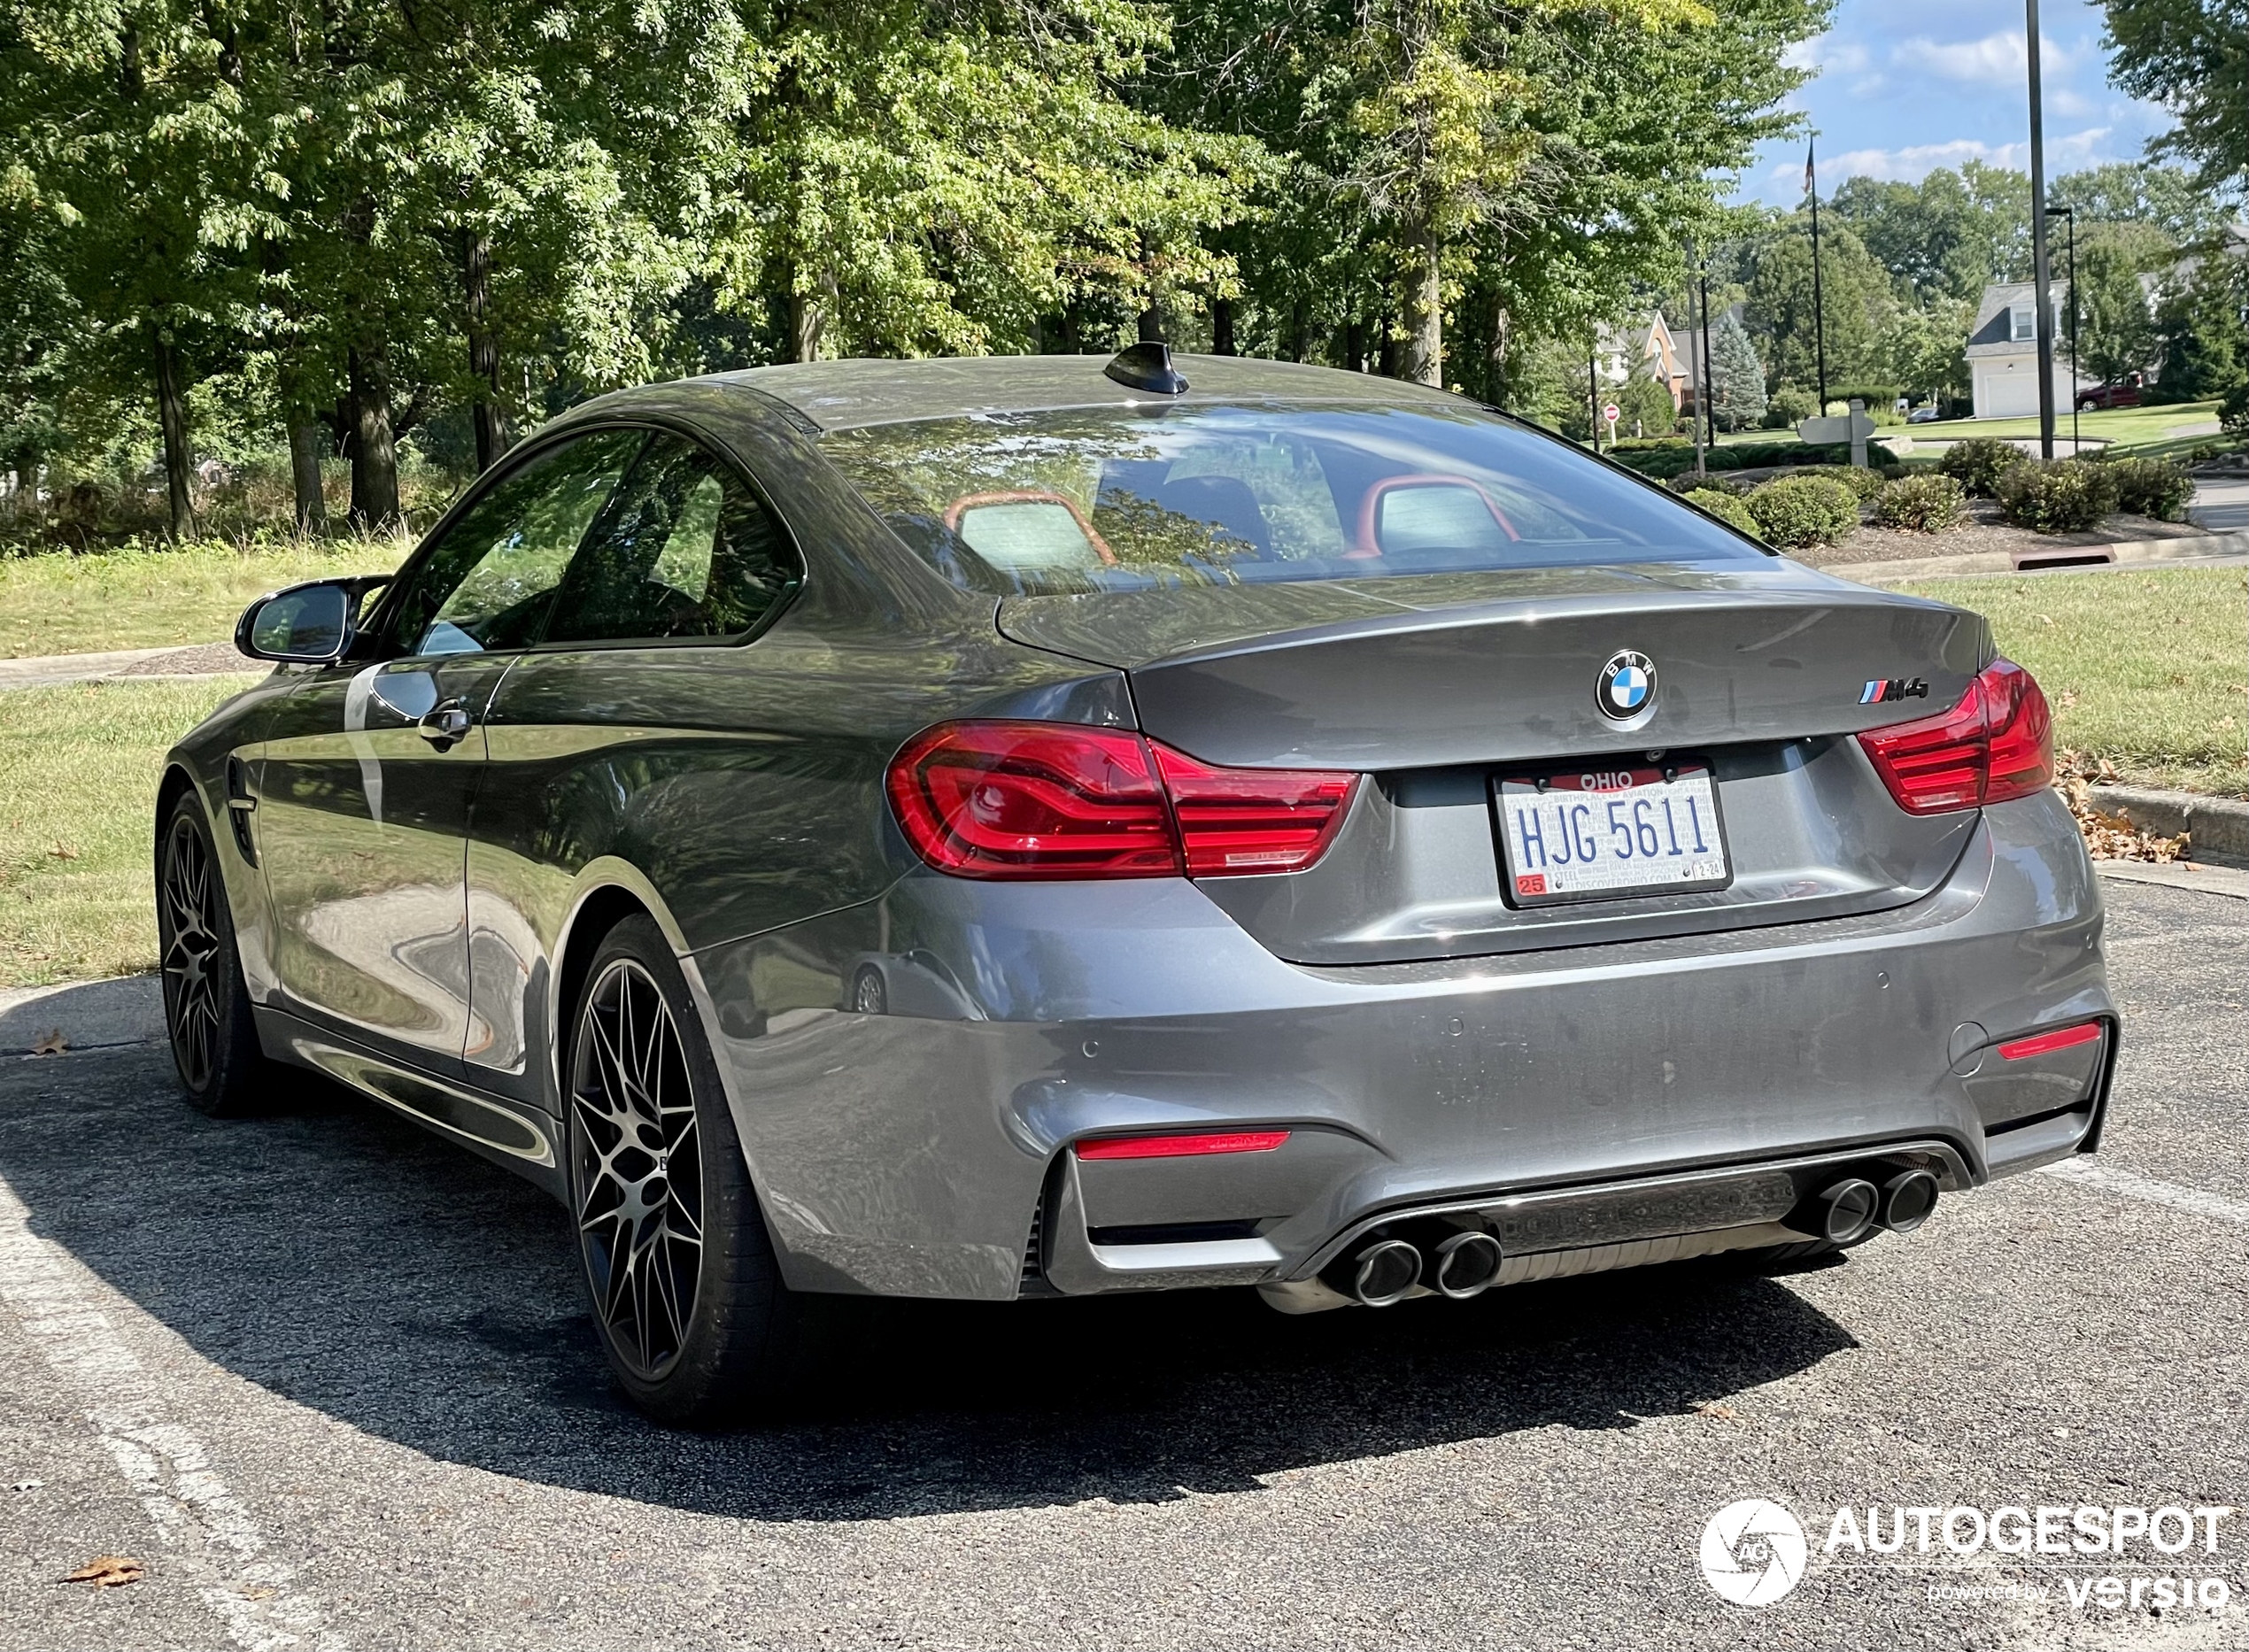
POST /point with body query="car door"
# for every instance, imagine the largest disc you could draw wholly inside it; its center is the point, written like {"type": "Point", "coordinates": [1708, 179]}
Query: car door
{"type": "Point", "coordinates": [617, 735]}
{"type": "Point", "coordinates": [371, 767]}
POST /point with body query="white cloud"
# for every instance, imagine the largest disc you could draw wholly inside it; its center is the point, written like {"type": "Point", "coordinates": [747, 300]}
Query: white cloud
{"type": "Point", "coordinates": [1916, 161]}
{"type": "Point", "coordinates": [1827, 52]}
{"type": "Point", "coordinates": [1997, 59]}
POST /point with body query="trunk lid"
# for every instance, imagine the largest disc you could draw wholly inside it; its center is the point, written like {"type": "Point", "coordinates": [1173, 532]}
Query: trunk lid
{"type": "Point", "coordinates": [1438, 686]}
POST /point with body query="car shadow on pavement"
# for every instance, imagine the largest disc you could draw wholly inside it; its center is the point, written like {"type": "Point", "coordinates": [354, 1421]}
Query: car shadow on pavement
{"type": "Point", "coordinates": [342, 1259]}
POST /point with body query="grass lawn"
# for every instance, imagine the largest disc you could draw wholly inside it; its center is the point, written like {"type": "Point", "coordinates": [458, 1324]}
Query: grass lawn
{"type": "Point", "coordinates": [78, 774]}
{"type": "Point", "coordinates": [2150, 671]}
{"type": "Point", "coordinates": [2150, 431]}
{"type": "Point", "coordinates": [56, 602]}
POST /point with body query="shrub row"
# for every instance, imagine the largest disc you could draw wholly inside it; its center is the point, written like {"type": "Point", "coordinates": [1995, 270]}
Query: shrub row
{"type": "Point", "coordinates": [1925, 504]}
{"type": "Point", "coordinates": [1802, 510]}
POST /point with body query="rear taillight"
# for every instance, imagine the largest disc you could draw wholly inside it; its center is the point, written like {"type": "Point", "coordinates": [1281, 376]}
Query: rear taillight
{"type": "Point", "coordinates": [1252, 820]}
{"type": "Point", "coordinates": [1061, 800]}
{"type": "Point", "coordinates": [1995, 744]}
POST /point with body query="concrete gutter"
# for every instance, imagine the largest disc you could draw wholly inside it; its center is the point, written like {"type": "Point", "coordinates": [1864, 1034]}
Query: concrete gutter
{"type": "Point", "coordinates": [2217, 827]}
{"type": "Point", "coordinates": [2185, 551]}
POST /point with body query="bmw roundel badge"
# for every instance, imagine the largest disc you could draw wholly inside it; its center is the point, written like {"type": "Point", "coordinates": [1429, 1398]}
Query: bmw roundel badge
{"type": "Point", "coordinates": [1627, 686]}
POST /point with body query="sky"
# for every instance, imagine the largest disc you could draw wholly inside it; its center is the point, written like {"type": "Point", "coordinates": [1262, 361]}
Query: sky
{"type": "Point", "coordinates": [1908, 86]}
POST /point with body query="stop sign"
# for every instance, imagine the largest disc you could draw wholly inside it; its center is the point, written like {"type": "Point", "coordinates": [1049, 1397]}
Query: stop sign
{"type": "Point", "coordinates": [1611, 412]}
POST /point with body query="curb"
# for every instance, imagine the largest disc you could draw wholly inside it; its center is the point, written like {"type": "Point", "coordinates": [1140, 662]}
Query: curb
{"type": "Point", "coordinates": [2187, 548]}
{"type": "Point", "coordinates": [2218, 827]}
{"type": "Point", "coordinates": [2199, 877]}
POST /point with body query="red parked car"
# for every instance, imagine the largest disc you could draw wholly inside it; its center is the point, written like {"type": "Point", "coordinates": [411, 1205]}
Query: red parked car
{"type": "Point", "coordinates": [2124, 395]}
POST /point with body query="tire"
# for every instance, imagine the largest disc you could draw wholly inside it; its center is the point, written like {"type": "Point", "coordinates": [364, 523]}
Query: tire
{"type": "Point", "coordinates": [206, 1003]}
{"type": "Point", "coordinates": [679, 1270]}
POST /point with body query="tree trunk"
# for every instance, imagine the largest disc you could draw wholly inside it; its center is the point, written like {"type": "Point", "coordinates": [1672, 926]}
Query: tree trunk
{"type": "Point", "coordinates": [1355, 346]}
{"type": "Point", "coordinates": [806, 322]}
{"type": "Point", "coordinates": [1386, 347]}
{"type": "Point", "coordinates": [1299, 329]}
{"type": "Point", "coordinates": [374, 457]}
{"type": "Point", "coordinates": [489, 414]}
{"type": "Point", "coordinates": [1496, 357]}
{"type": "Point", "coordinates": [1424, 313]}
{"type": "Point", "coordinates": [171, 418]}
{"type": "Point", "coordinates": [1222, 327]}
{"type": "Point", "coordinates": [1151, 328]}
{"type": "Point", "coordinates": [306, 438]}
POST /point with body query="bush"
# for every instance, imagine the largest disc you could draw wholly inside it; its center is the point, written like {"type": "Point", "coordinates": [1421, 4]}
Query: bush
{"type": "Point", "coordinates": [2150, 487]}
{"type": "Point", "coordinates": [1978, 463]}
{"type": "Point", "coordinates": [1726, 506]}
{"type": "Point", "coordinates": [1787, 406]}
{"type": "Point", "coordinates": [2065, 496]}
{"type": "Point", "coordinates": [1922, 504]}
{"type": "Point", "coordinates": [1879, 397]}
{"type": "Point", "coordinates": [1689, 482]}
{"type": "Point", "coordinates": [1799, 511]}
{"type": "Point", "coordinates": [2233, 409]}
{"type": "Point", "coordinates": [1864, 484]}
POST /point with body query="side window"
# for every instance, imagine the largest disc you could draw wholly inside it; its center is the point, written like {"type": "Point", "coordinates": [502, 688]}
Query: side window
{"type": "Point", "coordinates": [490, 581]}
{"type": "Point", "coordinates": [684, 549]}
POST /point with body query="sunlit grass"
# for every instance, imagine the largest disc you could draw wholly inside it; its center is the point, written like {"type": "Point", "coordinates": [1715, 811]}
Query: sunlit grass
{"type": "Point", "coordinates": [57, 603]}
{"type": "Point", "coordinates": [78, 774]}
{"type": "Point", "coordinates": [2150, 671]}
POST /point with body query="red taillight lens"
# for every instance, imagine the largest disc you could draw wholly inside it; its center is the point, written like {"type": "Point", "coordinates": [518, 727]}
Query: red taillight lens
{"type": "Point", "coordinates": [1181, 1146]}
{"type": "Point", "coordinates": [1033, 799]}
{"type": "Point", "coordinates": [1995, 744]}
{"type": "Point", "coordinates": [2047, 1043]}
{"type": "Point", "coordinates": [1055, 801]}
{"type": "Point", "coordinates": [1252, 820]}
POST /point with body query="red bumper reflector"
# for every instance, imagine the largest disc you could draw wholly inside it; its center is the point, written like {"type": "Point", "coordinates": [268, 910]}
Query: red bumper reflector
{"type": "Point", "coordinates": [1181, 1146]}
{"type": "Point", "coordinates": [2047, 1043]}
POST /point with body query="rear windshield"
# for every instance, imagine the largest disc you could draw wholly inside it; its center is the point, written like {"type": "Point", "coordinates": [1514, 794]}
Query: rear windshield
{"type": "Point", "coordinates": [1103, 499]}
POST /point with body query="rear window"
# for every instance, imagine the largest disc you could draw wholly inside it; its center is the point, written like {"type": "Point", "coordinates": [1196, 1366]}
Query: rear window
{"type": "Point", "coordinates": [1101, 499]}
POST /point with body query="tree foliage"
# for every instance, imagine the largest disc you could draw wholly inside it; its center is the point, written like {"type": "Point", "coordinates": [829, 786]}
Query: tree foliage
{"type": "Point", "coordinates": [1737, 377]}
{"type": "Point", "coordinates": [2193, 57]}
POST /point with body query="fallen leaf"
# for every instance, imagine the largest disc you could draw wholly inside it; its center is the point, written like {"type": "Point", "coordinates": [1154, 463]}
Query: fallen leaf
{"type": "Point", "coordinates": [1717, 1410]}
{"type": "Point", "coordinates": [2068, 698]}
{"type": "Point", "coordinates": [107, 1571]}
{"type": "Point", "coordinates": [27, 1485]}
{"type": "Point", "coordinates": [62, 851]}
{"type": "Point", "coordinates": [2111, 837]}
{"type": "Point", "coordinates": [50, 1042]}
{"type": "Point", "coordinates": [256, 1591]}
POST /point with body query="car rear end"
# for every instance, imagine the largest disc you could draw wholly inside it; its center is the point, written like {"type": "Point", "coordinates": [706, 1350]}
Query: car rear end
{"type": "Point", "coordinates": [1475, 900]}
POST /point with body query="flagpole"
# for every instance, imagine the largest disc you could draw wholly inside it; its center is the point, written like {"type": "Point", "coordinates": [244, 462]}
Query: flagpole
{"type": "Point", "coordinates": [1710, 395]}
{"type": "Point", "coordinates": [2038, 274]}
{"type": "Point", "coordinates": [1818, 303]}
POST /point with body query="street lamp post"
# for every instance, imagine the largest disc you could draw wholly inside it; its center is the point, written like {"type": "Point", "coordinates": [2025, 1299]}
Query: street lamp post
{"type": "Point", "coordinates": [2041, 288]}
{"type": "Point", "coordinates": [2070, 213]}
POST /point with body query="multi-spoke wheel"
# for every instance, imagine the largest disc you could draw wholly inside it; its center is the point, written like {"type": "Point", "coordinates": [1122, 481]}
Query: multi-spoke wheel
{"type": "Point", "coordinates": [639, 1171]}
{"type": "Point", "coordinates": [206, 1008]}
{"type": "Point", "coordinates": [677, 1262]}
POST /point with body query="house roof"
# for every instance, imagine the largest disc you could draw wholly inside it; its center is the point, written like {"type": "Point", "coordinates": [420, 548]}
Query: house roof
{"type": "Point", "coordinates": [1993, 333]}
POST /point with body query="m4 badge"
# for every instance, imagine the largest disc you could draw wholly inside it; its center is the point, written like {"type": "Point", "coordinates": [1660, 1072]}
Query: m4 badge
{"type": "Point", "coordinates": [1885, 689]}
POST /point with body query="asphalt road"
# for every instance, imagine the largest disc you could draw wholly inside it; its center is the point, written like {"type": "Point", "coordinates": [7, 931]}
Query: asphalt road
{"type": "Point", "coordinates": [328, 1381]}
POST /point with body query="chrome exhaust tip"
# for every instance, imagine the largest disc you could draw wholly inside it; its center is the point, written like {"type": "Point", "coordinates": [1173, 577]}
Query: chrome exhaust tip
{"type": "Point", "coordinates": [1466, 1264]}
{"type": "Point", "coordinates": [1908, 1199]}
{"type": "Point", "coordinates": [1384, 1272]}
{"type": "Point", "coordinates": [1845, 1212]}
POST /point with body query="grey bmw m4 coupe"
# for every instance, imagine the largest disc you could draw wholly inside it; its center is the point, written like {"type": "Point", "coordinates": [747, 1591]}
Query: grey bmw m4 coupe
{"type": "Point", "coordinates": [1045, 826]}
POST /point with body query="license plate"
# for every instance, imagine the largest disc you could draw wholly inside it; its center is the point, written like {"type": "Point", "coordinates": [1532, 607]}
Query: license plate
{"type": "Point", "coordinates": [1600, 834]}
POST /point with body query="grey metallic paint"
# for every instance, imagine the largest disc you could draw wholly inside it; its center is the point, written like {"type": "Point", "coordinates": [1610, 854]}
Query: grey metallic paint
{"type": "Point", "coordinates": [1427, 1043]}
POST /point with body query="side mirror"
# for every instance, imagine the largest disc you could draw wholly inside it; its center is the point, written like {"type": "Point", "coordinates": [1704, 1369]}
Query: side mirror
{"type": "Point", "coordinates": [309, 624]}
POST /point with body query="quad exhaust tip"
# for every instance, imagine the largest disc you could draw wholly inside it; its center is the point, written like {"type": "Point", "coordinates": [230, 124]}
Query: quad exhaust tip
{"type": "Point", "coordinates": [1908, 1199]}
{"type": "Point", "coordinates": [1466, 1264]}
{"type": "Point", "coordinates": [1846, 1211]}
{"type": "Point", "coordinates": [1384, 1271]}
{"type": "Point", "coordinates": [1459, 1266]}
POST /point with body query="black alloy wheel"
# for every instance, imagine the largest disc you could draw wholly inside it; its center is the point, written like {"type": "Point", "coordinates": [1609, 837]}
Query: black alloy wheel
{"type": "Point", "coordinates": [680, 1271]}
{"type": "Point", "coordinates": [206, 1005]}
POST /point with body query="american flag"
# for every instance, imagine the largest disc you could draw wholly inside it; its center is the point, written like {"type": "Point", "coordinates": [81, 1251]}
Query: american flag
{"type": "Point", "coordinates": [1810, 185]}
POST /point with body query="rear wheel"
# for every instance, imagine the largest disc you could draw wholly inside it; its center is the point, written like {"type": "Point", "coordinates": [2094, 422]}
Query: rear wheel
{"type": "Point", "coordinates": [680, 1271]}
{"type": "Point", "coordinates": [206, 1005]}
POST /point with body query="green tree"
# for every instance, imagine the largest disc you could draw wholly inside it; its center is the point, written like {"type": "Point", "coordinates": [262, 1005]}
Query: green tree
{"type": "Point", "coordinates": [2203, 322]}
{"type": "Point", "coordinates": [1949, 233]}
{"type": "Point", "coordinates": [2115, 325]}
{"type": "Point", "coordinates": [1737, 377]}
{"type": "Point", "coordinates": [1855, 302]}
{"type": "Point", "coordinates": [2189, 56]}
{"type": "Point", "coordinates": [1923, 348]}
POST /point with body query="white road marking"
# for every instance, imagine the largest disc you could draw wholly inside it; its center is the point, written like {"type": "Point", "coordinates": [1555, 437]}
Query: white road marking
{"type": "Point", "coordinates": [55, 1300]}
{"type": "Point", "coordinates": [2116, 1179]}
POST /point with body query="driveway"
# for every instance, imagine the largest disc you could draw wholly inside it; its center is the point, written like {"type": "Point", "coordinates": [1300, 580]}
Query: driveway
{"type": "Point", "coordinates": [328, 1382]}
{"type": "Point", "coordinates": [2220, 504]}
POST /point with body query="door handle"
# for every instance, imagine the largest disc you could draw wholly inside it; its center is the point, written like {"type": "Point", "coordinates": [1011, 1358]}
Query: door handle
{"type": "Point", "coordinates": [445, 725]}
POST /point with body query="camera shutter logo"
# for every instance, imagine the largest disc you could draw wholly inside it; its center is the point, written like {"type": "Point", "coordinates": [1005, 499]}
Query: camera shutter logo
{"type": "Point", "coordinates": [1753, 1551]}
{"type": "Point", "coordinates": [1627, 687]}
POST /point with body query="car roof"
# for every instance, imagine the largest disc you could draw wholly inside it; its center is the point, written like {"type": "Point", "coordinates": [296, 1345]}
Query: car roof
{"type": "Point", "coordinates": [843, 395]}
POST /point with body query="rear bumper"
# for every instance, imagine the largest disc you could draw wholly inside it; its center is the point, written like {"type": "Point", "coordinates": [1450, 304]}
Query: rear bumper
{"type": "Point", "coordinates": [914, 1152]}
